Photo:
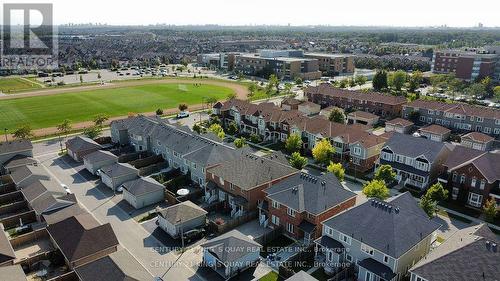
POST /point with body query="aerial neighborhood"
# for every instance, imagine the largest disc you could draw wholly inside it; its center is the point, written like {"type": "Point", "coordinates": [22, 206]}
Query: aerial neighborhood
{"type": "Point", "coordinates": [199, 153]}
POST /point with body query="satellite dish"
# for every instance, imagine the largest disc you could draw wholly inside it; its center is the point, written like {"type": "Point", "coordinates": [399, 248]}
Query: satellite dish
{"type": "Point", "coordinates": [183, 192]}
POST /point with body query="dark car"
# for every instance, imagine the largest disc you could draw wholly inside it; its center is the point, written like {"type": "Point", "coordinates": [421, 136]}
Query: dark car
{"type": "Point", "coordinates": [194, 234]}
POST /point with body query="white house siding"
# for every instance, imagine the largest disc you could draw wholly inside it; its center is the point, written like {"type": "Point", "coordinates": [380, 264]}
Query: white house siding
{"type": "Point", "coordinates": [144, 199]}
{"type": "Point", "coordinates": [92, 168]}
{"type": "Point", "coordinates": [175, 231]}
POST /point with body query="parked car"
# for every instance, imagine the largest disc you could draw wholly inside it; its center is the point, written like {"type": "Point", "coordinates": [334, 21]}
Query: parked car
{"type": "Point", "coordinates": [66, 188]}
{"type": "Point", "coordinates": [194, 234]}
{"type": "Point", "coordinates": [183, 114]}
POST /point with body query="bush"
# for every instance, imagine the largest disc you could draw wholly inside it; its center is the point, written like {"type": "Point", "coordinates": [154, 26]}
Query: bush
{"type": "Point", "coordinates": [159, 112]}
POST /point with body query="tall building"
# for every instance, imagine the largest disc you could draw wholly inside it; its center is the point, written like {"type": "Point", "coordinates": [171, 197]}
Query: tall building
{"type": "Point", "coordinates": [333, 64]}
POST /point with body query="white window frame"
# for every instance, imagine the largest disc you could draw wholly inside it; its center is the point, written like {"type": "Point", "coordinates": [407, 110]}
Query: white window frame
{"type": "Point", "coordinates": [291, 212]}
{"type": "Point", "coordinates": [275, 220]}
{"type": "Point", "coordinates": [344, 238]}
{"type": "Point", "coordinates": [478, 199]}
{"type": "Point", "coordinates": [290, 227]}
{"type": "Point", "coordinates": [275, 204]}
{"type": "Point", "coordinates": [367, 249]}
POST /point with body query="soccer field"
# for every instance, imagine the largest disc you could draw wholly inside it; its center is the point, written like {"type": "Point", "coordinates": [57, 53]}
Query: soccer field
{"type": "Point", "coordinates": [80, 106]}
{"type": "Point", "coordinates": [8, 85]}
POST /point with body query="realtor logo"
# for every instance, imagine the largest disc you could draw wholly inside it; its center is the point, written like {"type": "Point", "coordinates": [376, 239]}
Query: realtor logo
{"type": "Point", "coordinates": [29, 41]}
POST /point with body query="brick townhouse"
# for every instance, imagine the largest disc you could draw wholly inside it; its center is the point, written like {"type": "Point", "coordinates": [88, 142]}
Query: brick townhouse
{"type": "Point", "coordinates": [379, 104]}
{"type": "Point", "coordinates": [459, 117]}
{"type": "Point", "coordinates": [301, 202]}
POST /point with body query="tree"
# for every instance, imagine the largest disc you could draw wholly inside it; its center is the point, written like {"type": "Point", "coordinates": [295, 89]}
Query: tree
{"type": "Point", "coordinates": [437, 192]}
{"type": "Point", "coordinates": [476, 90]}
{"type": "Point", "coordinates": [24, 132]}
{"type": "Point", "coordinates": [380, 80]}
{"type": "Point", "coordinates": [297, 161]}
{"type": "Point", "coordinates": [385, 173]}
{"type": "Point", "coordinates": [360, 80]}
{"type": "Point", "coordinates": [211, 101]}
{"type": "Point", "coordinates": [490, 210]}
{"type": "Point", "coordinates": [183, 106]}
{"type": "Point", "coordinates": [496, 93]}
{"type": "Point", "coordinates": [337, 170]}
{"type": "Point", "coordinates": [99, 75]}
{"type": "Point", "coordinates": [232, 128]}
{"type": "Point", "coordinates": [252, 88]}
{"type": "Point", "coordinates": [322, 151]}
{"type": "Point", "coordinates": [64, 127]}
{"type": "Point", "coordinates": [231, 96]}
{"type": "Point", "coordinates": [293, 143]}
{"type": "Point", "coordinates": [240, 142]}
{"type": "Point", "coordinates": [376, 189]}
{"type": "Point", "coordinates": [99, 119]}
{"type": "Point", "coordinates": [298, 81]}
{"type": "Point", "coordinates": [428, 205]}
{"type": "Point", "coordinates": [81, 79]}
{"type": "Point", "coordinates": [274, 81]}
{"type": "Point", "coordinates": [288, 89]}
{"type": "Point", "coordinates": [352, 83]}
{"type": "Point", "coordinates": [217, 130]}
{"type": "Point", "coordinates": [197, 128]}
{"type": "Point", "coordinates": [343, 83]}
{"type": "Point", "coordinates": [159, 112]}
{"type": "Point", "coordinates": [255, 138]}
{"type": "Point", "coordinates": [92, 132]}
{"type": "Point", "coordinates": [337, 116]}
{"type": "Point", "coordinates": [398, 79]}
{"type": "Point", "coordinates": [415, 80]}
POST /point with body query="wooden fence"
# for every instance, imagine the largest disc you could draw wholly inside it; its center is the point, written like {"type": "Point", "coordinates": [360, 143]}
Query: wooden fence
{"type": "Point", "coordinates": [230, 224]}
{"type": "Point", "coordinates": [11, 197]}
{"type": "Point", "coordinates": [13, 221]}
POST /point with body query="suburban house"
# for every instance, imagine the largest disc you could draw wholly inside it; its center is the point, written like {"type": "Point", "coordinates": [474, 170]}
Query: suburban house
{"type": "Point", "coordinates": [435, 132]}
{"type": "Point", "coordinates": [13, 148]}
{"type": "Point", "coordinates": [290, 104]}
{"type": "Point", "coordinates": [17, 162]}
{"type": "Point", "coordinates": [80, 146]}
{"type": "Point", "coordinates": [240, 183]}
{"type": "Point", "coordinates": [301, 276]}
{"type": "Point", "coordinates": [362, 117]}
{"type": "Point", "coordinates": [452, 260]}
{"type": "Point", "coordinates": [98, 159]}
{"type": "Point", "coordinates": [62, 214]}
{"type": "Point", "coordinates": [181, 217]}
{"type": "Point", "coordinates": [477, 141]}
{"type": "Point", "coordinates": [459, 117]}
{"type": "Point", "coordinates": [26, 175]}
{"type": "Point", "coordinates": [15, 272]}
{"type": "Point", "coordinates": [120, 265]}
{"type": "Point", "coordinates": [416, 161]}
{"type": "Point", "coordinates": [399, 125]}
{"type": "Point", "coordinates": [179, 146]}
{"type": "Point", "coordinates": [301, 202]}
{"type": "Point", "coordinates": [364, 152]}
{"type": "Point", "coordinates": [380, 240]}
{"type": "Point", "coordinates": [116, 174]}
{"type": "Point", "coordinates": [143, 192]}
{"type": "Point", "coordinates": [231, 253]}
{"type": "Point", "coordinates": [383, 105]}
{"type": "Point", "coordinates": [7, 254]}
{"type": "Point", "coordinates": [81, 239]}
{"type": "Point", "coordinates": [309, 108]}
{"type": "Point", "coordinates": [472, 176]}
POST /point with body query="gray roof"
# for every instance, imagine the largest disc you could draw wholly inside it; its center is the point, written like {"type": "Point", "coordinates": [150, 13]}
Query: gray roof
{"type": "Point", "coordinates": [100, 156]}
{"type": "Point", "coordinates": [18, 161]}
{"type": "Point", "coordinates": [81, 143]}
{"type": "Point", "coordinates": [119, 169]}
{"type": "Point", "coordinates": [301, 276]}
{"type": "Point", "coordinates": [231, 246]}
{"type": "Point", "coordinates": [118, 266]}
{"type": "Point", "coordinates": [248, 171]}
{"type": "Point", "coordinates": [15, 272]}
{"type": "Point", "coordinates": [15, 146]}
{"type": "Point", "coordinates": [182, 212]}
{"type": "Point", "coordinates": [468, 254]}
{"type": "Point", "coordinates": [62, 214]}
{"type": "Point", "coordinates": [45, 196]}
{"type": "Point", "coordinates": [488, 164]}
{"type": "Point", "coordinates": [6, 250]}
{"type": "Point", "coordinates": [411, 146]}
{"type": "Point", "coordinates": [211, 154]}
{"type": "Point", "coordinates": [460, 155]}
{"type": "Point", "coordinates": [392, 227]}
{"type": "Point", "coordinates": [142, 186]}
{"type": "Point", "coordinates": [377, 268]}
{"type": "Point", "coordinates": [313, 194]}
{"type": "Point", "coordinates": [22, 173]}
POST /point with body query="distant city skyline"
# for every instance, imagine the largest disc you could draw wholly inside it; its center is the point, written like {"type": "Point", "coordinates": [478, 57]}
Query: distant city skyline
{"type": "Point", "coordinates": [260, 12]}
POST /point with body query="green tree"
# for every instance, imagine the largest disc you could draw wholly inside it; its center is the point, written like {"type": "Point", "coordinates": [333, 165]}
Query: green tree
{"type": "Point", "coordinates": [496, 93]}
{"type": "Point", "coordinates": [64, 127]}
{"type": "Point", "coordinates": [252, 88]}
{"type": "Point", "coordinates": [297, 161]}
{"type": "Point", "coordinates": [24, 132]}
{"type": "Point", "coordinates": [99, 119]}
{"type": "Point", "coordinates": [322, 151]}
{"type": "Point", "coordinates": [343, 83]}
{"type": "Point", "coordinates": [99, 75]}
{"type": "Point", "coordinates": [398, 79]}
{"type": "Point", "coordinates": [81, 79]}
{"type": "Point", "coordinates": [337, 116]}
{"type": "Point", "coordinates": [490, 210]}
{"type": "Point", "coordinates": [337, 170]}
{"type": "Point", "coordinates": [476, 90]}
{"type": "Point", "coordinates": [182, 106]}
{"type": "Point", "coordinates": [159, 112]}
{"type": "Point", "coordinates": [197, 128]}
{"type": "Point", "coordinates": [352, 83]}
{"type": "Point", "coordinates": [255, 138]}
{"type": "Point", "coordinates": [210, 101]}
{"type": "Point", "coordinates": [217, 130]}
{"type": "Point", "coordinates": [293, 143]}
{"type": "Point", "coordinates": [376, 189]}
{"type": "Point", "coordinates": [428, 205]}
{"type": "Point", "coordinates": [380, 80]}
{"type": "Point", "coordinates": [288, 89]}
{"type": "Point", "coordinates": [360, 80]}
{"type": "Point", "coordinates": [414, 116]}
{"type": "Point", "coordinates": [274, 81]}
{"type": "Point", "coordinates": [385, 173]}
{"type": "Point", "coordinates": [240, 142]}
{"type": "Point", "coordinates": [414, 81]}
{"type": "Point", "coordinates": [232, 128]}
{"type": "Point", "coordinates": [298, 81]}
{"type": "Point", "coordinates": [437, 192]}
{"type": "Point", "coordinates": [92, 132]}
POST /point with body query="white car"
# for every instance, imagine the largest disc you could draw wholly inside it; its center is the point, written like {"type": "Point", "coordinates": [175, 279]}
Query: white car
{"type": "Point", "coordinates": [66, 188]}
{"type": "Point", "coordinates": [183, 114]}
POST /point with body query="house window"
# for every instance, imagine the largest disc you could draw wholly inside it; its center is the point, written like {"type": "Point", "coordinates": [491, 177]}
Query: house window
{"type": "Point", "coordinates": [231, 186]}
{"type": "Point", "coordinates": [387, 259]}
{"type": "Point", "coordinates": [367, 249]}
{"type": "Point", "coordinates": [454, 193]}
{"type": "Point", "coordinates": [291, 212]}
{"type": "Point", "coordinates": [487, 130]}
{"type": "Point", "coordinates": [289, 227]}
{"type": "Point", "coordinates": [454, 177]}
{"type": "Point", "coordinates": [462, 179]}
{"type": "Point", "coordinates": [368, 276]}
{"type": "Point", "coordinates": [348, 257]}
{"type": "Point", "coordinates": [276, 205]}
{"type": "Point", "coordinates": [483, 183]}
{"type": "Point", "coordinates": [475, 200]}
{"type": "Point", "coordinates": [275, 220]}
{"type": "Point", "coordinates": [357, 151]}
{"type": "Point", "coordinates": [330, 256]}
{"type": "Point", "coordinates": [328, 231]}
{"type": "Point", "coordinates": [346, 239]}
{"type": "Point", "coordinates": [473, 182]}
{"type": "Point", "coordinates": [479, 119]}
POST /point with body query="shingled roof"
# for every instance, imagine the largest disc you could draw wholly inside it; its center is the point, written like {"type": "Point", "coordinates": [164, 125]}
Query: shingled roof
{"type": "Point", "coordinates": [411, 146]}
{"type": "Point", "coordinates": [487, 163]}
{"type": "Point", "coordinates": [182, 212]}
{"type": "Point", "coordinates": [15, 146]}
{"type": "Point", "coordinates": [81, 143]}
{"type": "Point", "coordinates": [6, 250]}
{"type": "Point", "coordinates": [142, 185]}
{"type": "Point", "coordinates": [329, 90]}
{"type": "Point", "coordinates": [231, 246]}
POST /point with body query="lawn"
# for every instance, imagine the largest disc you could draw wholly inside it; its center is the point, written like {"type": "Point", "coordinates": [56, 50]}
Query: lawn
{"type": "Point", "coordinates": [79, 106]}
{"type": "Point", "coordinates": [9, 85]}
{"type": "Point", "coordinates": [271, 276]}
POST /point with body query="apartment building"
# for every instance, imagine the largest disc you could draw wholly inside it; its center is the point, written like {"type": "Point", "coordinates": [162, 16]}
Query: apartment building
{"type": "Point", "coordinates": [416, 161]}
{"type": "Point", "coordinates": [387, 238]}
{"type": "Point", "coordinates": [301, 202]}
{"type": "Point", "coordinates": [386, 106]}
{"type": "Point", "coordinates": [333, 64]}
{"type": "Point", "coordinates": [458, 117]}
{"type": "Point", "coordinates": [468, 65]}
{"type": "Point", "coordinates": [472, 176]}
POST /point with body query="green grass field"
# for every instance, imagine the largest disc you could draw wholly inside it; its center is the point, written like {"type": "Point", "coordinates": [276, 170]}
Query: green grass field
{"type": "Point", "coordinates": [11, 85]}
{"type": "Point", "coordinates": [48, 111]}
